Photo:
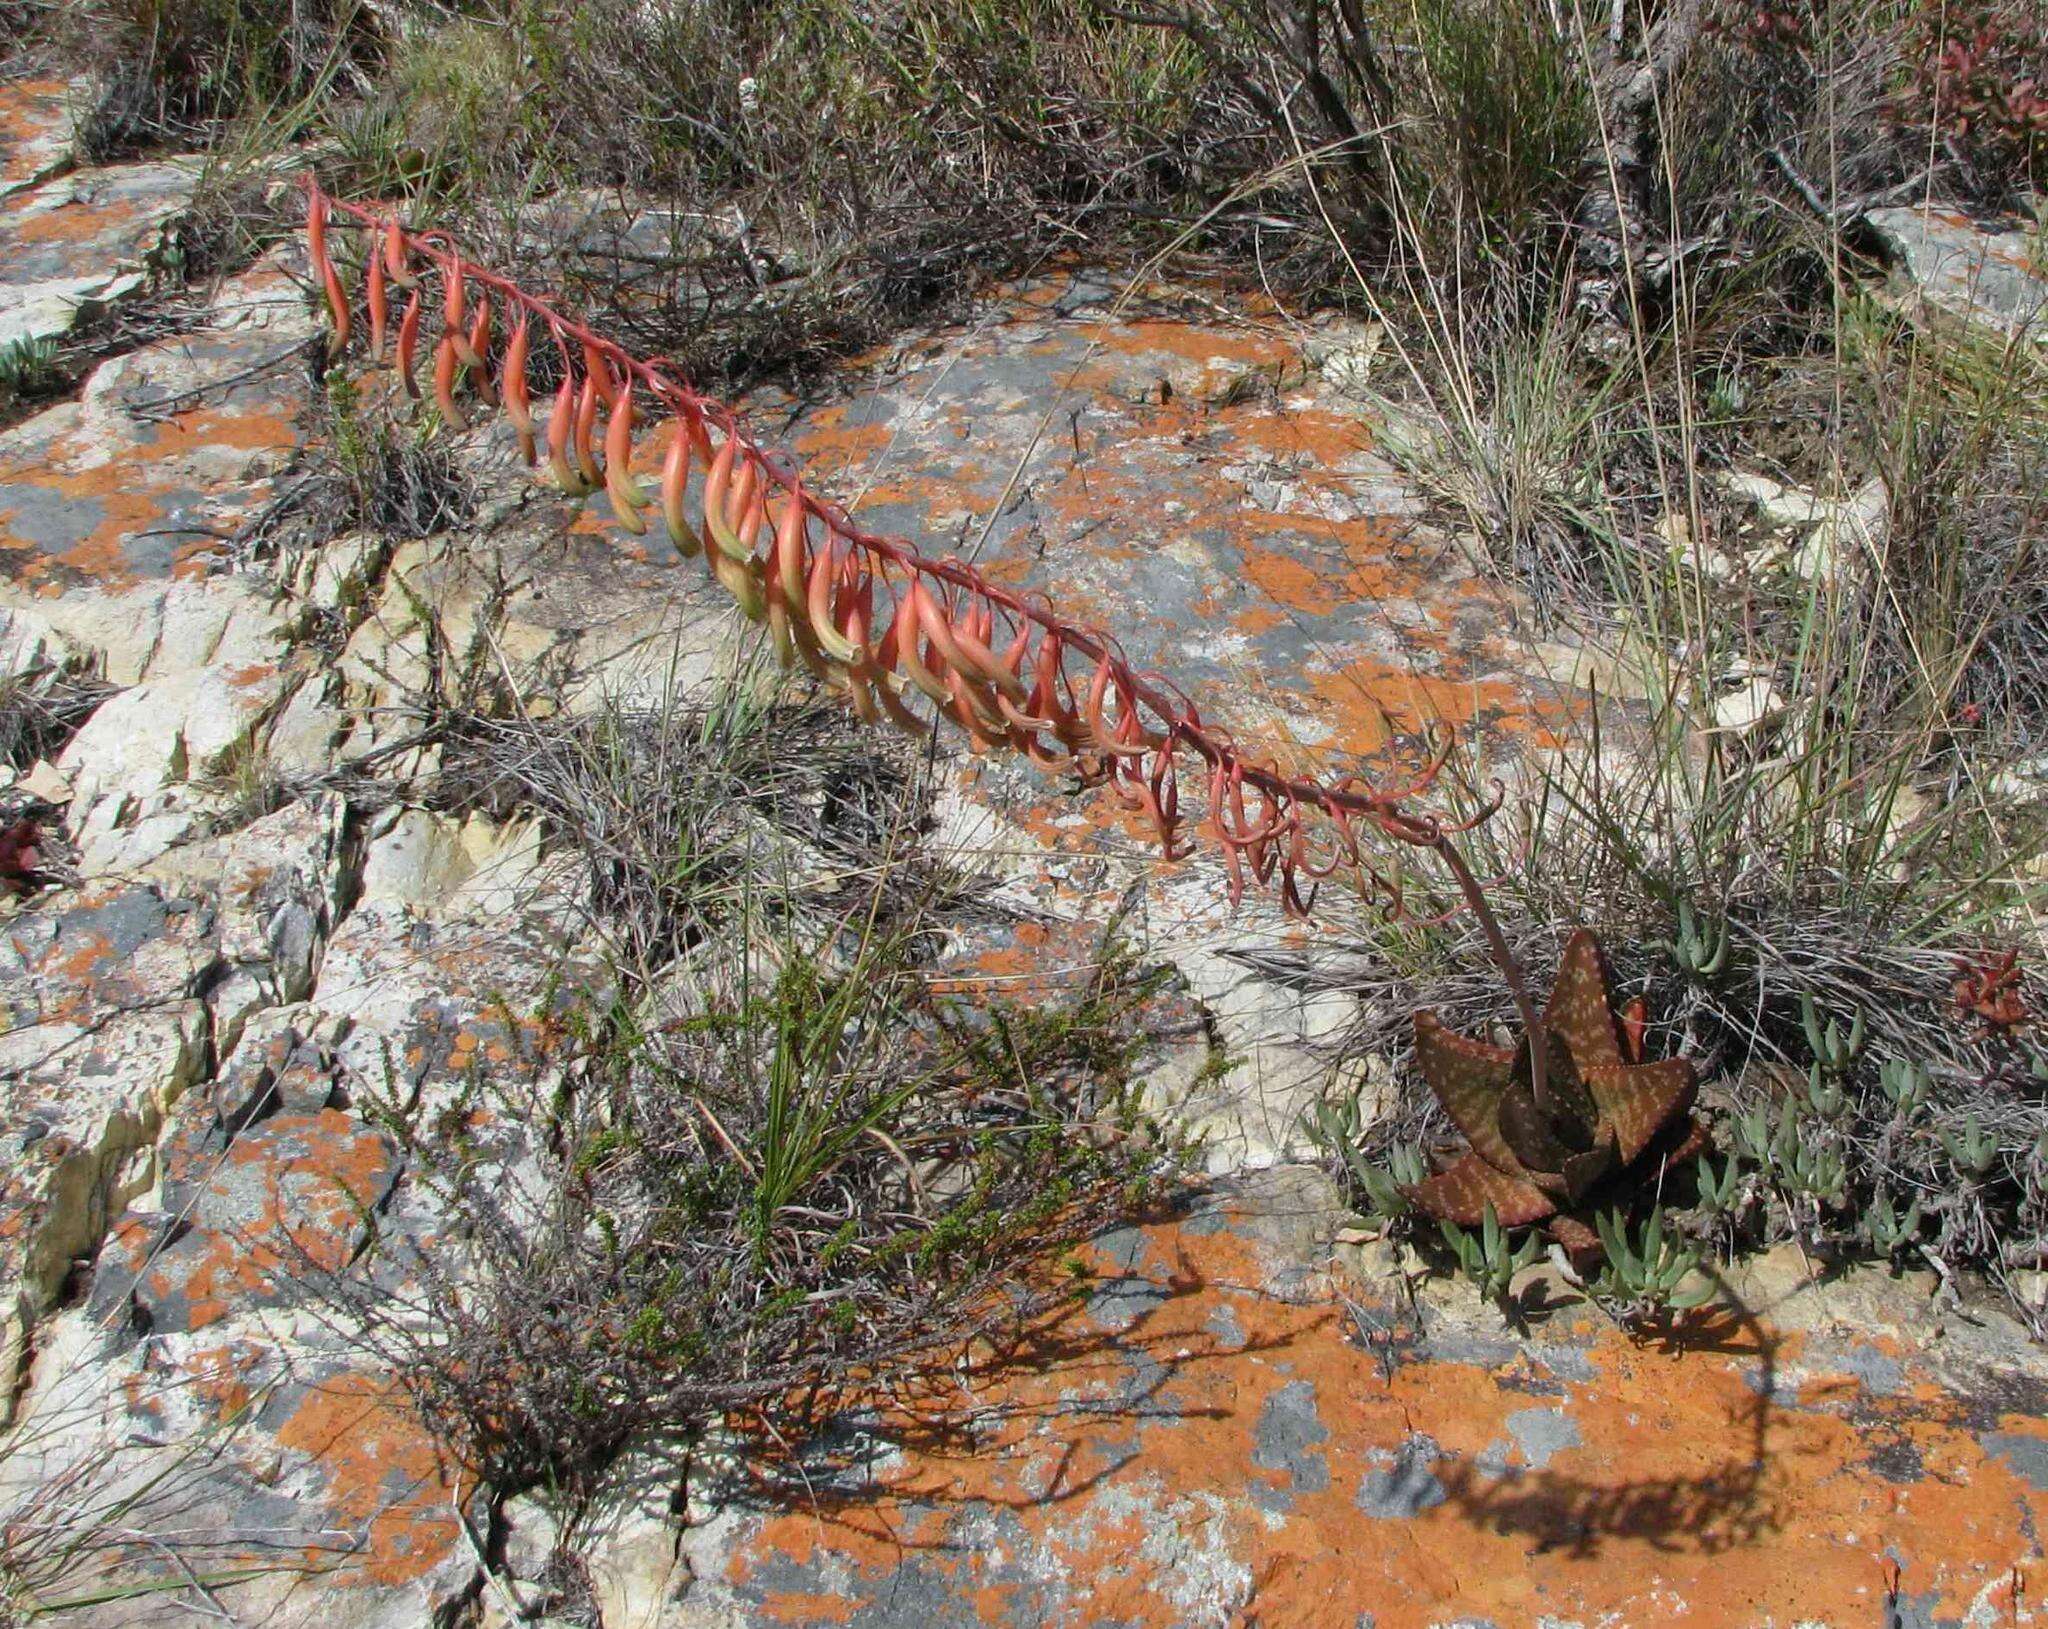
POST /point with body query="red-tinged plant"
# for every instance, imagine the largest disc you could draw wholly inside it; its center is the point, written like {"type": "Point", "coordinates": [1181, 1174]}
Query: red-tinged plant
{"type": "Point", "coordinates": [1608, 1109]}
{"type": "Point", "coordinates": [20, 854]}
{"type": "Point", "coordinates": [879, 623]}
{"type": "Point", "coordinates": [1978, 75]}
{"type": "Point", "coordinates": [1991, 987]}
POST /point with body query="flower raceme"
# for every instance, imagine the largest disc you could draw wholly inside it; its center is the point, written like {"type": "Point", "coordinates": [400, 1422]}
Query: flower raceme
{"type": "Point", "coordinates": [902, 637]}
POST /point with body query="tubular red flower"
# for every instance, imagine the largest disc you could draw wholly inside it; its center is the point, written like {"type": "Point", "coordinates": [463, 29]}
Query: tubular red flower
{"type": "Point", "coordinates": [518, 404]}
{"type": "Point", "coordinates": [479, 349]}
{"type": "Point", "coordinates": [627, 496]}
{"type": "Point", "coordinates": [453, 321]}
{"type": "Point", "coordinates": [599, 367]}
{"type": "Point", "coordinates": [395, 266]}
{"type": "Point", "coordinates": [675, 481]}
{"type": "Point", "coordinates": [729, 487]}
{"type": "Point", "coordinates": [408, 346]}
{"type": "Point", "coordinates": [973, 646]}
{"type": "Point", "coordinates": [825, 573]}
{"type": "Point", "coordinates": [1103, 737]}
{"type": "Point", "coordinates": [330, 280]}
{"type": "Point", "coordinates": [561, 426]}
{"type": "Point", "coordinates": [905, 638]}
{"type": "Point", "coordinates": [580, 436]}
{"type": "Point", "coordinates": [445, 363]}
{"type": "Point", "coordinates": [377, 298]}
{"type": "Point", "coordinates": [964, 685]}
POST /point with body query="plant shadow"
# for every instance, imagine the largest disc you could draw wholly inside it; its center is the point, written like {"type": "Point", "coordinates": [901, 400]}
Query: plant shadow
{"type": "Point", "coordinates": [1722, 1508]}
{"type": "Point", "coordinates": [1067, 1411]}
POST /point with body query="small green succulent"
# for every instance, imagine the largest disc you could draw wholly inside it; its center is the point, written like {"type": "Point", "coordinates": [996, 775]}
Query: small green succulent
{"type": "Point", "coordinates": [1974, 1150]}
{"type": "Point", "coordinates": [1904, 1083]}
{"type": "Point", "coordinates": [1834, 1048]}
{"type": "Point", "coordinates": [1491, 1258]}
{"type": "Point", "coordinates": [1718, 1193]}
{"type": "Point", "coordinates": [1890, 1233]}
{"type": "Point", "coordinates": [1336, 1130]}
{"type": "Point", "coordinates": [1700, 951]}
{"type": "Point", "coordinates": [1645, 1272]}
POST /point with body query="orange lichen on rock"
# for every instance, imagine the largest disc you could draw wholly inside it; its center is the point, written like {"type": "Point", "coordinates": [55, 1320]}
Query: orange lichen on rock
{"type": "Point", "coordinates": [34, 129]}
{"type": "Point", "coordinates": [381, 1474]}
{"type": "Point", "coordinates": [1210, 1445]}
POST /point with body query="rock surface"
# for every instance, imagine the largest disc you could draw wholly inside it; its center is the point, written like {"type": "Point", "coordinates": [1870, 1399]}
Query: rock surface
{"type": "Point", "coordinates": [38, 120]}
{"type": "Point", "coordinates": [1994, 277]}
{"type": "Point", "coordinates": [266, 968]}
{"type": "Point", "coordinates": [1227, 1433]}
{"type": "Point", "coordinates": [74, 245]}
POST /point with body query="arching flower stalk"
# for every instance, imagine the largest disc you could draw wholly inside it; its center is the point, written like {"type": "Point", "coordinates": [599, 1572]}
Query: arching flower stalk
{"type": "Point", "coordinates": [903, 637]}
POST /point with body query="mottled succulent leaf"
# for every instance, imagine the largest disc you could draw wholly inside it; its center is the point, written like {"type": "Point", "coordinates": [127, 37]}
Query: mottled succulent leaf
{"type": "Point", "coordinates": [1462, 1193]}
{"type": "Point", "coordinates": [1531, 1134]}
{"type": "Point", "coordinates": [1582, 1171]}
{"type": "Point", "coordinates": [1576, 1239]}
{"type": "Point", "coordinates": [1573, 1111]}
{"type": "Point", "coordinates": [1579, 1012]}
{"type": "Point", "coordinates": [1639, 1100]}
{"type": "Point", "coordinates": [1469, 1078]}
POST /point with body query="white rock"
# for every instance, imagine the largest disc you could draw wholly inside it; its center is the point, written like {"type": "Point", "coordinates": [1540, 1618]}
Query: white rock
{"type": "Point", "coordinates": [116, 632]}
{"type": "Point", "coordinates": [119, 838]}
{"type": "Point", "coordinates": [433, 865]}
{"type": "Point", "coordinates": [1688, 551]}
{"type": "Point", "coordinates": [1988, 277]}
{"type": "Point", "coordinates": [46, 781]}
{"type": "Point", "coordinates": [51, 308]}
{"type": "Point", "coordinates": [97, 1095]}
{"type": "Point", "coordinates": [306, 736]}
{"type": "Point", "coordinates": [648, 661]}
{"type": "Point", "coordinates": [29, 640]}
{"type": "Point", "coordinates": [1629, 673]}
{"type": "Point", "coordinates": [211, 673]}
{"type": "Point", "coordinates": [1847, 535]}
{"type": "Point", "coordinates": [339, 573]}
{"type": "Point", "coordinates": [1786, 507]}
{"type": "Point", "coordinates": [633, 1555]}
{"type": "Point", "coordinates": [1752, 702]}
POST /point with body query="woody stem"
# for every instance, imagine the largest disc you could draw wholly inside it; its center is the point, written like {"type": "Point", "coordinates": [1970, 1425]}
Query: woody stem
{"type": "Point", "coordinates": [1505, 959]}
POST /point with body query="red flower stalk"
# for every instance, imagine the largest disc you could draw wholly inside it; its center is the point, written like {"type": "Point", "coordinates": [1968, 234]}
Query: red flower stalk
{"type": "Point", "coordinates": [874, 618]}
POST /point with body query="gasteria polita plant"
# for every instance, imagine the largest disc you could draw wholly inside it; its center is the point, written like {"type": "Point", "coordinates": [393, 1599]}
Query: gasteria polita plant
{"type": "Point", "coordinates": [876, 621]}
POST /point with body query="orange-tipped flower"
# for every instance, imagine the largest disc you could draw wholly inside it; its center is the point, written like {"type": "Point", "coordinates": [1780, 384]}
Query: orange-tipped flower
{"type": "Point", "coordinates": [561, 429]}
{"type": "Point", "coordinates": [378, 299]}
{"type": "Point", "coordinates": [395, 259]}
{"type": "Point", "coordinates": [330, 280]}
{"type": "Point", "coordinates": [454, 321]}
{"type": "Point", "coordinates": [445, 366]}
{"type": "Point", "coordinates": [580, 440]}
{"type": "Point", "coordinates": [627, 496]}
{"type": "Point", "coordinates": [479, 349]}
{"type": "Point", "coordinates": [518, 404]}
{"type": "Point", "coordinates": [785, 584]}
{"type": "Point", "coordinates": [729, 488]}
{"type": "Point", "coordinates": [408, 346]}
{"type": "Point", "coordinates": [599, 367]}
{"type": "Point", "coordinates": [675, 481]}
{"type": "Point", "coordinates": [818, 603]}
